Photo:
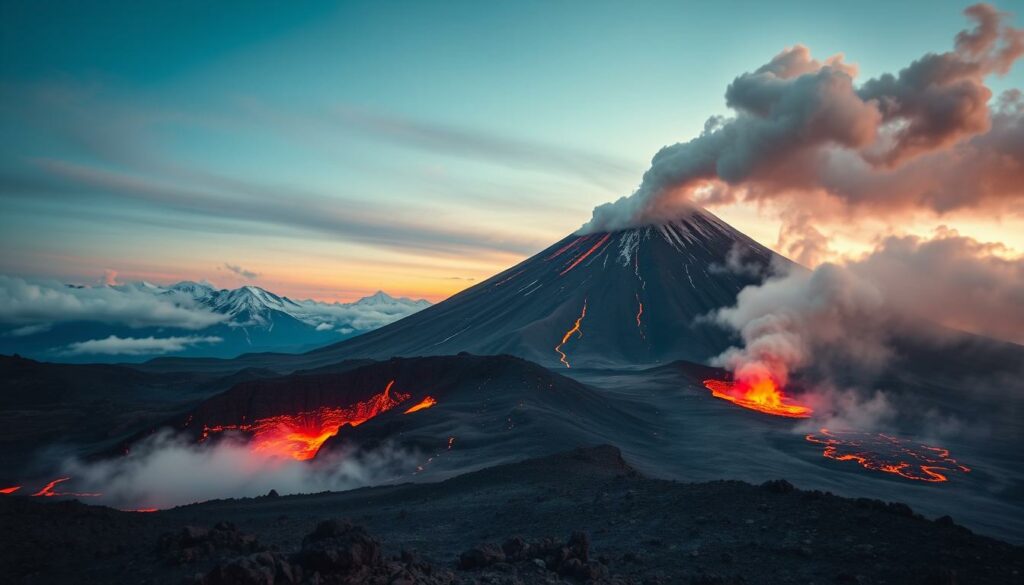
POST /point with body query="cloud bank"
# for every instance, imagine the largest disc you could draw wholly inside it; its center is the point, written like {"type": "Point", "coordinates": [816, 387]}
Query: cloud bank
{"type": "Point", "coordinates": [165, 470]}
{"type": "Point", "coordinates": [114, 345]}
{"type": "Point", "coordinates": [45, 302]}
{"type": "Point", "coordinates": [805, 136]}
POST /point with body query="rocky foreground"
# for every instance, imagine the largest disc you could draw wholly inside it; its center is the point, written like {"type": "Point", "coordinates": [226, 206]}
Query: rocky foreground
{"type": "Point", "coordinates": [579, 517]}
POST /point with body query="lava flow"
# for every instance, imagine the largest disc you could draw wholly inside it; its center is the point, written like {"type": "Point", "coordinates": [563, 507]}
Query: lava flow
{"type": "Point", "coordinates": [639, 314]}
{"type": "Point", "coordinates": [49, 492]}
{"type": "Point", "coordinates": [300, 435]}
{"type": "Point", "coordinates": [427, 402]}
{"type": "Point", "coordinates": [10, 490]}
{"type": "Point", "coordinates": [565, 338]}
{"type": "Point", "coordinates": [880, 452]}
{"type": "Point", "coordinates": [763, 396]}
{"type": "Point", "coordinates": [584, 256]}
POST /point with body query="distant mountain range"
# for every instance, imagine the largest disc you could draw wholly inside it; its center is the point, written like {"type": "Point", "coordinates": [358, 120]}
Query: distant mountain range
{"type": "Point", "coordinates": [137, 321]}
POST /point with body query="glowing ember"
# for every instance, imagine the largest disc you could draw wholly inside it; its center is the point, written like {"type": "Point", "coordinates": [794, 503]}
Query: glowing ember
{"type": "Point", "coordinates": [425, 403]}
{"type": "Point", "coordinates": [300, 435]}
{"type": "Point", "coordinates": [763, 396]}
{"type": "Point", "coordinates": [451, 441]}
{"type": "Point", "coordinates": [49, 492]}
{"type": "Point", "coordinates": [10, 490]}
{"type": "Point", "coordinates": [565, 338]}
{"type": "Point", "coordinates": [584, 256]}
{"type": "Point", "coordinates": [880, 452]}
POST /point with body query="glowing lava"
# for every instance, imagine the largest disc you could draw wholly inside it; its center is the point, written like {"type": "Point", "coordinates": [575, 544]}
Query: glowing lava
{"type": "Point", "coordinates": [10, 490]}
{"type": "Point", "coordinates": [300, 435]}
{"type": "Point", "coordinates": [565, 338]}
{"type": "Point", "coordinates": [763, 396]}
{"type": "Point", "coordinates": [49, 492]}
{"type": "Point", "coordinates": [639, 314]}
{"type": "Point", "coordinates": [559, 251]}
{"type": "Point", "coordinates": [880, 452]}
{"type": "Point", "coordinates": [427, 402]}
{"type": "Point", "coordinates": [584, 256]}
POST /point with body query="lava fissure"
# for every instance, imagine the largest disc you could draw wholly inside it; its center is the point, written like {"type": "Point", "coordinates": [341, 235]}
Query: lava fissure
{"type": "Point", "coordinates": [586, 254]}
{"type": "Point", "coordinates": [10, 490]}
{"type": "Point", "coordinates": [763, 395]}
{"type": "Point", "coordinates": [639, 314]}
{"type": "Point", "coordinates": [48, 491]}
{"type": "Point", "coordinates": [559, 251]}
{"type": "Point", "coordinates": [574, 329]}
{"type": "Point", "coordinates": [888, 454]}
{"type": "Point", "coordinates": [427, 402]}
{"type": "Point", "coordinates": [300, 435]}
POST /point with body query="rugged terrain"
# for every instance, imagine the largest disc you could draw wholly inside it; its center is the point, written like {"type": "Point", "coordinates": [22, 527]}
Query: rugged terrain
{"type": "Point", "coordinates": [637, 530]}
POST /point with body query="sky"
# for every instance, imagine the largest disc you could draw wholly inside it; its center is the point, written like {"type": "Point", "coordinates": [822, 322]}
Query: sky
{"type": "Point", "coordinates": [328, 150]}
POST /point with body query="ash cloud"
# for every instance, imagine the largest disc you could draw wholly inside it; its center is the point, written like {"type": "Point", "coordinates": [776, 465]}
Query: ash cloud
{"type": "Point", "coordinates": [167, 470]}
{"type": "Point", "coordinates": [837, 328]}
{"type": "Point", "coordinates": [803, 134]}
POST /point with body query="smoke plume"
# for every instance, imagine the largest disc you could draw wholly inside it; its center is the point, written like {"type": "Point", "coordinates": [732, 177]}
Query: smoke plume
{"type": "Point", "coordinates": [806, 136]}
{"type": "Point", "coordinates": [837, 327]}
{"type": "Point", "coordinates": [167, 470]}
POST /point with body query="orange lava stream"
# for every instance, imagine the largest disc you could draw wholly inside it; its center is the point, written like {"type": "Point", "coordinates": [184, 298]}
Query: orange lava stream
{"type": "Point", "coordinates": [586, 254]}
{"type": "Point", "coordinates": [48, 491]}
{"type": "Point", "coordinates": [300, 435]}
{"type": "Point", "coordinates": [559, 251]}
{"type": "Point", "coordinates": [565, 338]}
{"type": "Point", "coordinates": [880, 452]}
{"type": "Point", "coordinates": [10, 490]}
{"type": "Point", "coordinates": [763, 396]}
{"type": "Point", "coordinates": [144, 510]}
{"type": "Point", "coordinates": [427, 402]}
{"type": "Point", "coordinates": [639, 313]}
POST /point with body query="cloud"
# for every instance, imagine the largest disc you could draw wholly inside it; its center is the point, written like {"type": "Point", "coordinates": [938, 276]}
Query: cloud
{"type": "Point", "coordinates": [362, 315]}
{"type": "Point", "coordinates": [109, 277]}
{"type": "Point", "coordinates": [803, 134]}
{"type": "Point", "coordinates": [46, 302]}
{"type": "Point", "coordinates": [837, 327]}
{"type": "Point", "coordinates": [241, 271]}
{"type": "Point", "coordinates": [166, 470]}
{"type": "Point", "coordinates": [432, 137]}
{"type": "Point", "coordinates": [208, 196]}
{"type": "Point", "coordinates": [114, 345]}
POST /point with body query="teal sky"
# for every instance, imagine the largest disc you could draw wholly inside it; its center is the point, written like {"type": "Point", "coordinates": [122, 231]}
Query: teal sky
{"type": "Point", "coordinates": [338, 148]}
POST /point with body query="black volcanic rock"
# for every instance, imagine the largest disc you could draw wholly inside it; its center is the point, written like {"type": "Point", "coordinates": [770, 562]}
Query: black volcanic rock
{"type": "Point", "coordinates": [499, 406]}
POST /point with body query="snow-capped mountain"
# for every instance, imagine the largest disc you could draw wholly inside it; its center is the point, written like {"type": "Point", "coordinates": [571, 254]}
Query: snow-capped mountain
{"type": "Point", "coordinates": [139, 320]}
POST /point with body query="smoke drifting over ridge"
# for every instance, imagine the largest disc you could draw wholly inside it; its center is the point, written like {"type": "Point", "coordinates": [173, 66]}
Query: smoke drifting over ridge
{"type": "Point", "coordinates": [837, 327]}
{"type": "Point", "coordinates": [804, 133]}
{"type": "Point", "coordinates": [167, 470]}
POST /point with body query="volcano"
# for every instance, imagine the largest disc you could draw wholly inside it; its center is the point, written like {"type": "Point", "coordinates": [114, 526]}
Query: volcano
{"type": "Point", "coordinates": [608, 299]}
{"type": "Point", "coordinates": [602, 299]}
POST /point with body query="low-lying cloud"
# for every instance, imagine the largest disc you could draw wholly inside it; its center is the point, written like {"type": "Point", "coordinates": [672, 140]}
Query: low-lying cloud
{"type": "Point", "coordinates": [114, 345]}
{"type": "Point", "coordinates": [166, 470]}
{"type": "Point", "coordinates": [25, 303]}
{"type": "Point", "coordinates": [805, 136]}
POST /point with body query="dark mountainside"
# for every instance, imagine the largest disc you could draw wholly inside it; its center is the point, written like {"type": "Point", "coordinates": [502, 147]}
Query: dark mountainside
{"type": "Point", "coordinates": [581, 516]}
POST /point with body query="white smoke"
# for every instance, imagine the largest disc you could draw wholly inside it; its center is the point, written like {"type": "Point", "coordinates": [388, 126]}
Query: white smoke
{"type": "Point", "coordinates": [804, 134]}
{"type": "Point", "coordinates": [837, 328]}
{"type": "Point", "coordinates": [167, 470]}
